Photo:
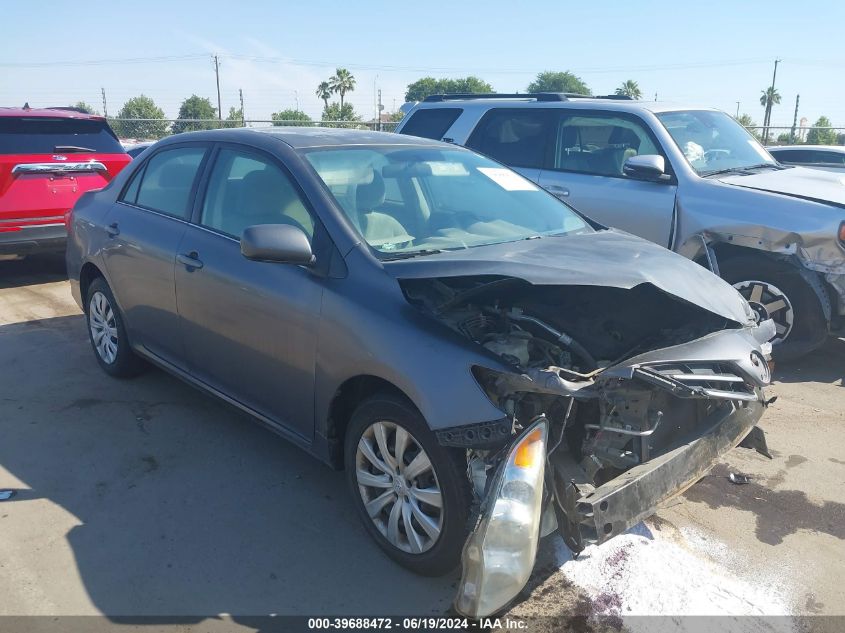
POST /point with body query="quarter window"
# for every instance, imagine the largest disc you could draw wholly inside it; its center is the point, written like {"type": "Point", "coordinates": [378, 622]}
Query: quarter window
{"type": "Point", "coordinates": [245, 190]}
{"type": "Point", "coordinates": [431, 122]}
{"type": "Point", "coordinates": [512, 136]}
{"type": "Point", "coordinates": [599, 144]}
{"type": "Point", "coordinates": [167, 181]}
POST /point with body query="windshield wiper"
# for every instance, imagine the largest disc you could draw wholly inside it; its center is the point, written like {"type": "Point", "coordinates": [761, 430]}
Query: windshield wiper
{"type": "Point", "coordinates": [409, 254]}
{"type": "Point", "coordinates": [72, 148]}
{"type": "Point", "coordinates": [741, 169]}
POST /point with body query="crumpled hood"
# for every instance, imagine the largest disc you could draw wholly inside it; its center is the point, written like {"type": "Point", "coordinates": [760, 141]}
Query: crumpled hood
{"type": "Point", "coordinates": [609, 258]}
{"type": "Point", "coordinates": [811, 184]}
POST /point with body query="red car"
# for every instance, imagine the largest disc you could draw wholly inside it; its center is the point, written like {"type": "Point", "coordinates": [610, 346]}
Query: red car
{"type": "Point", "coordinates": [48, 158]}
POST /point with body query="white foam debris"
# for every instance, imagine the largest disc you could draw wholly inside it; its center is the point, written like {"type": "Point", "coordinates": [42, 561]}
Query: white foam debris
{"type": "Point", "coordinates": [642, 572]}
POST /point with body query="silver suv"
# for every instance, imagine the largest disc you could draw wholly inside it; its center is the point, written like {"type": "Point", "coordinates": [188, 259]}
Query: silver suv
{"type": "Point", "coordinates": [690, 179]}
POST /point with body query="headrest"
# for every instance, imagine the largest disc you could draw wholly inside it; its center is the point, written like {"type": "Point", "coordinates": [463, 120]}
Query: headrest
{"type": "Point", "coordinates": [370, 195]}
{"type": "Point", "coordinates": [264, 192]}
{"type": "Point", "coordinates": [624, 136]}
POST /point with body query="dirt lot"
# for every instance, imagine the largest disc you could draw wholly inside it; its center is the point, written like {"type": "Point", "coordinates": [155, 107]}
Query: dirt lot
{"type": "Point", "coordinates": [147, 497]}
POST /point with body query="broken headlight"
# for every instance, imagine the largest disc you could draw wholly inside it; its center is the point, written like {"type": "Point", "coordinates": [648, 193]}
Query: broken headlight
{"type": "Point", "coordinates": [499, 554]}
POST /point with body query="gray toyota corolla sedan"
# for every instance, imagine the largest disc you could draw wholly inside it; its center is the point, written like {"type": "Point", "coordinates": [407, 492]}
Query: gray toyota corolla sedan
{"type": "Point", "coordinates": [487, 365]}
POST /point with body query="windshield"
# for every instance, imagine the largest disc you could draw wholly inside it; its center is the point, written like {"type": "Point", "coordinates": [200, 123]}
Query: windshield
{"type": "Point", "coordinates": [714, 142]}
{"type": "Point", "coordinates": [406, 200]}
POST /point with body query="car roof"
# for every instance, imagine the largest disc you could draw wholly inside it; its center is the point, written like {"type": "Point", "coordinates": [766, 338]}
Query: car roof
{"type": "Point", "coordinates": [306, 137]}
{"type": "Point", "coordinates": [57, 112]}
{"type": "Point", "coordinates": [581, 103]}
{"type": "Point", "coordinates": [829, 148]}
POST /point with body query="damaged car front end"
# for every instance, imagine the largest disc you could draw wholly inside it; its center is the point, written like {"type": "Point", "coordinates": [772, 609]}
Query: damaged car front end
{"type": "Point", "coordinates": [610, 408]}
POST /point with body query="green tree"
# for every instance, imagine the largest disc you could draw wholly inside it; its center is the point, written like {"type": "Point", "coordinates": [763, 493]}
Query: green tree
{"type": "Point", "coordinates": [397, 116]}
{"type": "Point", "coordinates": [290, 117]}
{"type": "Point", "coordinates": [336, 112]}
{"type": "Point", "coordinates": [235, 118]}
{"type": "Point", "coordinates": [749, 124]}
{"type": "Point", "coordinates": [420, 89]}
{"type": "Point", "coordinates": [550, 81]}
{"type": "Point", "coordinates": [324, 92]}
{"type": "Point", "coordinates": [195, 113]}
{"type": "Point", "coordinates": [821, 137]}
{"type": "Point", "coordinates": [85, 107]}
{"type": "Point", "coordinates": [630, 88]}
{"type": "Point", "coordinates": [341, 82]}
{"type": "Point", "coordinates": [768, 97]}
{"type": "Point", "coordinates": [150, 123]}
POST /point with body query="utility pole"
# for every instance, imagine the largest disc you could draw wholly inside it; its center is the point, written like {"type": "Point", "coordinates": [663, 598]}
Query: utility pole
{"type": "Point", "coordinates": [380, 108]}
{"type": "Point", "coordinates": [794, 120]}
{"type": "Point", "coordinates": [105, 109]}
{"type": "Point", "coordinates": [376, 117]}
{"type": "Point", "coordinates": [243, 114]}
{"type": "Point", "coordinates": [217, 75]}
{"type": "Point", "coordinates": [768, 114]}
{"type": "Point", "coordinates": [655, 97]}
{"type": "Point", "coordinates": [737, 109]}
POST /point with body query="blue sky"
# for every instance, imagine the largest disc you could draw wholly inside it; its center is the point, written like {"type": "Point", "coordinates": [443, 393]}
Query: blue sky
{"type": "Point", "coordinates": [709, 53]}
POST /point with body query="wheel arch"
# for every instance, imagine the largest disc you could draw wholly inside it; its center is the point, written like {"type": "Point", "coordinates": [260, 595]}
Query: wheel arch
{"type": "Point", "coordinates": [345, 400]}
{"type": "Point", "coordinates": [87, 274]}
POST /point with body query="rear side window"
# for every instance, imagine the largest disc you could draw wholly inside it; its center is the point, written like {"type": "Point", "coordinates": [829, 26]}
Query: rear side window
{"type": "Point", "coordinates": [512, 136]}
{"type": "Point", "coordinates": [167, 181]}
{"type": "Point", "coordinates": [46, 135]}
{"type": "Point", "coordinates": [431, 123]}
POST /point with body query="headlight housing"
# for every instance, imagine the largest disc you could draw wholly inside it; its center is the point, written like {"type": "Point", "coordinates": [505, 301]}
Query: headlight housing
{"type": "Point", "coordinates": [499, 555]}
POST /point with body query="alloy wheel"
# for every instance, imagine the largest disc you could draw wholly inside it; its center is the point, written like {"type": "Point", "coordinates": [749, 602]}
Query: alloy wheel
{"type": "Point", "coordinates": [103, 326]}
{"type": "Point", "coordinates": [769, 302]}
{"type": "Point", "coordinates": [399, 488]}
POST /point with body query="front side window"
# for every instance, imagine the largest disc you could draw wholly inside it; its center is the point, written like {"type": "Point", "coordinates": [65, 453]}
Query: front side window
{"type": "Point", "coordinates": [167, 181]}
{"type": "Point", "coordinates": [599, 144]}
{"type": "Point", "coordinates": [714, 142]}
{"type": "Point", "coordinates": [512, 136]}
{"type": "Point", "coordinates": [439, 199]}
{"type": "Point", "coordinates": [247, 189]}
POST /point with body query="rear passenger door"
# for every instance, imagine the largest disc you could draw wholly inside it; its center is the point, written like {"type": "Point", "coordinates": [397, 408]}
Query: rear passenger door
{"type": "Point", "coordinates": [583, 166]}
{"type": "Point", "coordinates": [517, 137]}
{"type": "Point", "coordinates": [144, 227]}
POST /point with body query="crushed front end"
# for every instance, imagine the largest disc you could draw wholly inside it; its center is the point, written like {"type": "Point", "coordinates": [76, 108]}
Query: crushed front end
{"type": "Point", "coordinates": [606, 417]}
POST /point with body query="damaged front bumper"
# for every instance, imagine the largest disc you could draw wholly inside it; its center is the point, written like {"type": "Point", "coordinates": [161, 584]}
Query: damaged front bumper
{"type": "Point", "coordinates": [499, 553]}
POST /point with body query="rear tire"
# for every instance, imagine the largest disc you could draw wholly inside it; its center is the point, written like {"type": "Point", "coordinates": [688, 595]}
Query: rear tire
{"type": "Point", "coordinates": [778, 291]}
{"type": "Point", "coordinates": [107, 333]}
{"type": "Point", "coordinates": [435, 497]}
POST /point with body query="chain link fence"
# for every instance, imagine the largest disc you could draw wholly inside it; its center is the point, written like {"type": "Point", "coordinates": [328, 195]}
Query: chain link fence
{"type": "Point", "coordinates": [144, 130]}
{"type": "Point", "coordinates": [787, 135]}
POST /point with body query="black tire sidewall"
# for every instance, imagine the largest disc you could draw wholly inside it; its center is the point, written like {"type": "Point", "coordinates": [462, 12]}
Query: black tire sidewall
{"type": "Point", "coordinates": [449, 466]}
{"type": "Point", "coordinates": [809, 325]}
{"type": "Point", "coordinates": [126, 363]}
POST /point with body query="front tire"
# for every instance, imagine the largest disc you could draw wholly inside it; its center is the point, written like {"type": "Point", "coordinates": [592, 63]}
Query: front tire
{"type": "Point", "coordinates": [107, 333]}
{"type": "Point", "coordinates": [411, 493]}
{"type": "Point", "coordinates": [778, 291]}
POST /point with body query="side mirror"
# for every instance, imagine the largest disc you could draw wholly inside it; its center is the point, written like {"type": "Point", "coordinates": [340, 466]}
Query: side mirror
{"type": "Point", "coordinates": [280, 243]}
{"type": "Point", "coordinates": [645, 167]}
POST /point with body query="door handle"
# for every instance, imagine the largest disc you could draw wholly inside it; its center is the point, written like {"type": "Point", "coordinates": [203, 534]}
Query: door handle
{"type": "Point", "coordinates": [558, 190]}
{"type": "Point", "coordinates": [190, 260]}
{"type": "Point", "coordinates": [113, 230]}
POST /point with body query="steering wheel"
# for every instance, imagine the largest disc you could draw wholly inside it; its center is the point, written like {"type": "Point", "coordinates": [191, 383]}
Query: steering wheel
{"type": "Point", "coordinates": [716, 155]}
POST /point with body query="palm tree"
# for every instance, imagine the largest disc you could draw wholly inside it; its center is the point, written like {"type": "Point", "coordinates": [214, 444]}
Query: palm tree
{"type": "Point", "coordinates": [630, 88]}
{"type": "Point", "coordinates": [342, 82]}
{"type": "Point", "coordinates": [769, 97]}
{"type": "Point", "coordinates": [324, 92]}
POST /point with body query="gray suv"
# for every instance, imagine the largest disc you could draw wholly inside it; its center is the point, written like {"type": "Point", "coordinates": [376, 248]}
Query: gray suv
{"type": "Point", "coordinates": [690, 179]}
